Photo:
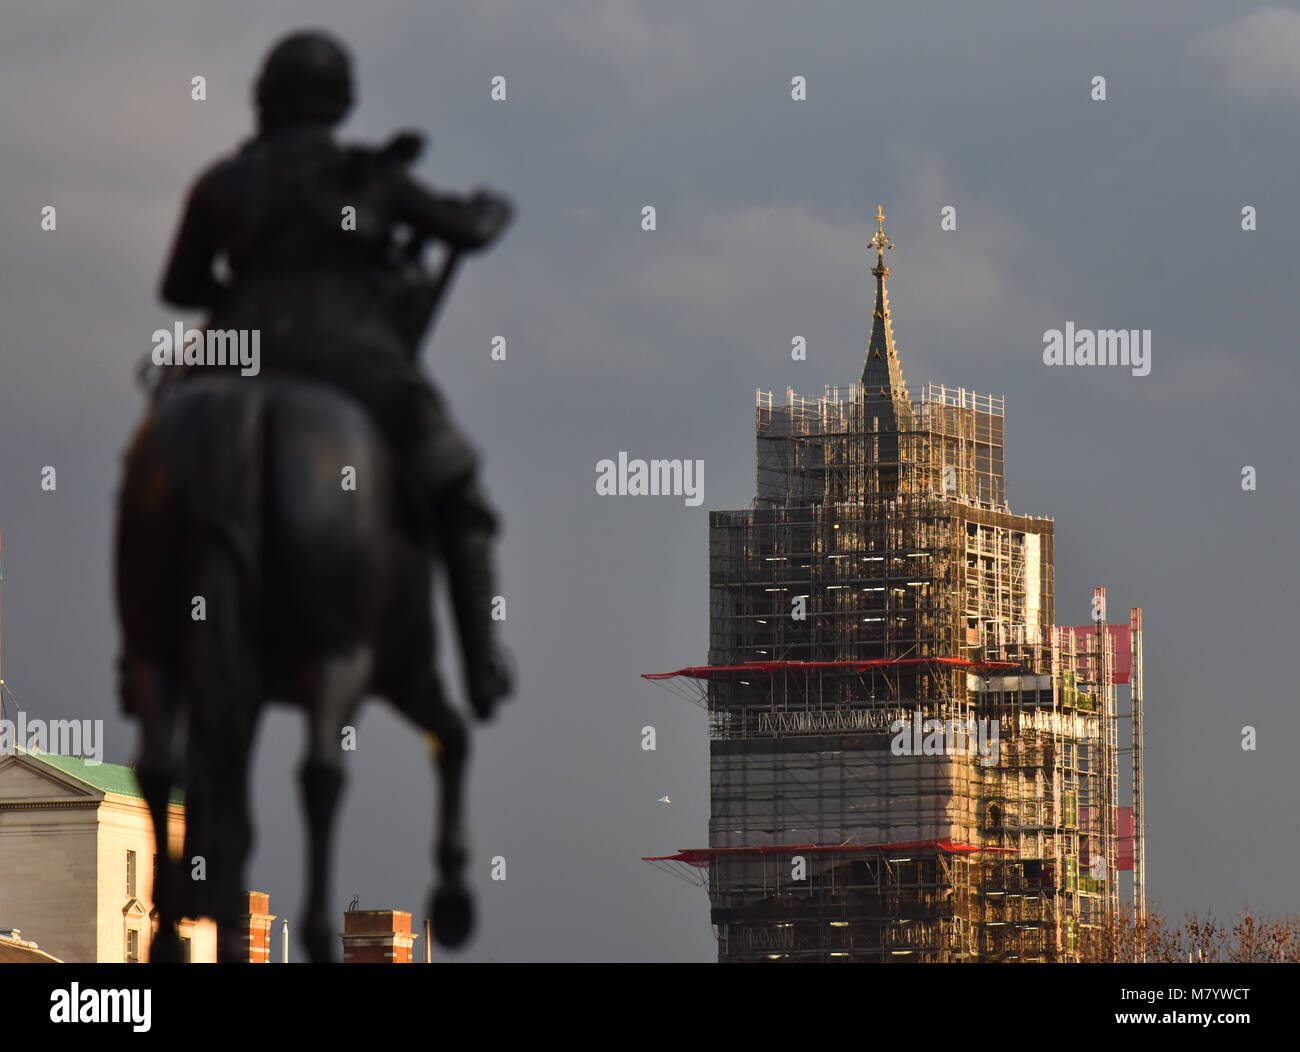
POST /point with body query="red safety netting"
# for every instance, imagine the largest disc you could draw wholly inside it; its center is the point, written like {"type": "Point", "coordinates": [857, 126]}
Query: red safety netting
{"type": "Point", "coordinates": [692, 865]}
{"type": "Point", "coordinates": [1085, 640]}
{"type": "Point", "coordinates": [702, 856]}
{"type": "Point", "coordinates": [691, 682]}
{"type": "Point", "coordinates": [708, 671]}
{"type": "Point", "coordinates": [1123, 832]}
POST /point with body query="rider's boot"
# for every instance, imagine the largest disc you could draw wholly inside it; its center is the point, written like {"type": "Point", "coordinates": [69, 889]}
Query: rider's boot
{"type": "Point", "coordinates": [465, 528]}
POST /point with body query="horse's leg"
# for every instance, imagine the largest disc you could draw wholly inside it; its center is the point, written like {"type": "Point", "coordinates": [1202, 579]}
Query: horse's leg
{"type": "Point", "coordinates": [225, 835]}
{"type": "Point", "coordinates": [451, 907]}
{"type": "Point", "coordinates": [218, 826]}
{"type": "Point", "coordinates": [150, 695]}
{"type": "Point", "coordinates": [336, 686]}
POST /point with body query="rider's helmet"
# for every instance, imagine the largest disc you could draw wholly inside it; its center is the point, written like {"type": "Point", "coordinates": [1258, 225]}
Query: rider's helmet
{"type": "Point", "coordinates": [306, 78]}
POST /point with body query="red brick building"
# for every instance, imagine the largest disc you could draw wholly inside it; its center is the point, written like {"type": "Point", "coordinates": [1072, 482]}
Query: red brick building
{"type": "Point", "coordinates": [377, 937]}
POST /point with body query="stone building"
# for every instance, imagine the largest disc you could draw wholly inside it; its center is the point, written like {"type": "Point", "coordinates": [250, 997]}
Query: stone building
{"type": "Point", "coordinates": [77, 860]}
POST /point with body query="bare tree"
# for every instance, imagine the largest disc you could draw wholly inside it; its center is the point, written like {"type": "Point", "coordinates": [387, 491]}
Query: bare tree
{"type": "Point", "coordinates": [1196, 939]}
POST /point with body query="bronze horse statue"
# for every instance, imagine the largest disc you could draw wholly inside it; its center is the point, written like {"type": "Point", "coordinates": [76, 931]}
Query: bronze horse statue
{"type": "Point", "coordinates": [246, 571]}
{"type": "Point", "coordinates": [313, 594]}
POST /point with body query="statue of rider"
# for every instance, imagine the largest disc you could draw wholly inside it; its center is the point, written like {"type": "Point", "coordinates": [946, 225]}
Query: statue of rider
{"type": "Point", "coordinates": [307, 231]}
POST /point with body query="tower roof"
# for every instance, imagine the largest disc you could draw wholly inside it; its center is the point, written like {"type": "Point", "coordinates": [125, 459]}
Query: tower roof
{"type": "Point", "coordinates": [882, 376]}
{"type": "Point", "coordinates": [107, 777]}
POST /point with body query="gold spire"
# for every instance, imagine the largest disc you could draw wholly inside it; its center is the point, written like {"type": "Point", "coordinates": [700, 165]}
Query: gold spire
{"type": "Point", "coordinates": [880, 242]}
{"type": "Point", "coordinates": [882, 377]}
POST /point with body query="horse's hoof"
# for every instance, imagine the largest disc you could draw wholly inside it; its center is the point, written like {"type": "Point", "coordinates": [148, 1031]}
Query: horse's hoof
{"type": "Point", "coordinates": [318, 943]}
{"type": "Point", "coordinates": [164, 950]}
{"type": "Point", "coordinates": [493, 683]}
{"type": "Point", "coordinates": [453, 916]}
{"type": "Point", "coordinates": [231, 949]}
{"type": "Point", "coordinates": [484, 704]}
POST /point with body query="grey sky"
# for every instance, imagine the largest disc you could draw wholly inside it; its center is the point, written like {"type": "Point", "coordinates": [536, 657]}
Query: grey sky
{"type": "Point", "coordinates": [1115, 214]}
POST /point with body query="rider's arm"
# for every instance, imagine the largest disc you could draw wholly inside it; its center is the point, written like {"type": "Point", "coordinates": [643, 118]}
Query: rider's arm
{"type": "Point", "coordinates": [462, 222]}
{"type": "Point", "coordinates": [188, 280]}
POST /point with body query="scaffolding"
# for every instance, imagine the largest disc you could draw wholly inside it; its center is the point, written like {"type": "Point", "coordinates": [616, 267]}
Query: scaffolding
{"type": "Point", "coordinates": [909, 760]}
{"type": "Point", "coordinates": [828, 842]}
{"type": "Point", "coordinates": [881, 584]}
{"type": "Point", "coordinates": [860, 548]}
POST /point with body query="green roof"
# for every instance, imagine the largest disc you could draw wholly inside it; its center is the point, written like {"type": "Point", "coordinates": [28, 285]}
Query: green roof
{"type": "Point", "coordinates": [108, 777]}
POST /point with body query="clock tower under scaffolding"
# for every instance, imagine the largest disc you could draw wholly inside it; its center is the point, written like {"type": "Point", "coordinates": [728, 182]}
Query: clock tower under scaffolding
{"type": "Point", "coordinates": [909, 760]}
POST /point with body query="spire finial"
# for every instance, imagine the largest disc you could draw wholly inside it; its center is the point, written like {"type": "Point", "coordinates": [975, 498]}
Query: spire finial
{"type": "Point", "coordinates": [880, 242]}
{"type": "Point", "coordinates": [881, 375]}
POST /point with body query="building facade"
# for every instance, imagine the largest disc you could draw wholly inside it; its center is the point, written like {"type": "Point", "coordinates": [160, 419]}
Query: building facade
{"type": "Point", "coordinates": [77, 860]}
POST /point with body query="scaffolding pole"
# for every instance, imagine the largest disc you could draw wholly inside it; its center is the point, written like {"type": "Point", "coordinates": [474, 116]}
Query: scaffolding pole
{"type": "Point", "coordinates": [1139, 811]}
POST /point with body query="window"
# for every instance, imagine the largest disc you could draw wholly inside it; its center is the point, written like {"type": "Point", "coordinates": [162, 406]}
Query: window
{"type": "Point", "coordinates": [132, 945]}
{"type": "Point", "coordinates": [130, 874]}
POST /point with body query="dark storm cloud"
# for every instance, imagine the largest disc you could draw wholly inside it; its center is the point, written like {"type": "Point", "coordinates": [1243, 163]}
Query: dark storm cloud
{"type": "Point", "coordinates": [1116, 214]}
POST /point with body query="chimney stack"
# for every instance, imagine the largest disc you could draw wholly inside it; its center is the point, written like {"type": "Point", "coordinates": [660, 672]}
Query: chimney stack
{"type": "Point", "coordinates": [377, 937]}
{"type": "Point", "coordinates": [255, 927]}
